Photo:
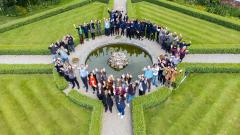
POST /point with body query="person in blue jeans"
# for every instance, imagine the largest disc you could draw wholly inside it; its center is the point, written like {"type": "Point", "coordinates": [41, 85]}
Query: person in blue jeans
{"type": "Point", "coordinates": [155, 70]}
{"type": "Point", "coordinates": [130, 93]}
{"type": "Point", "coordinates": [121, 106]}
{"type": "Point", "coordinates": [84, 76]}
{"type": "Point", "coordinates": [148, 74]}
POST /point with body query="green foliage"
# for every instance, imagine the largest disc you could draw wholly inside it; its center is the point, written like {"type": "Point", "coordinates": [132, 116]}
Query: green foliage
{"type": "Point", "coordinates": [61, 83]}
{"type": "Point", "coordinates": [214, 50]}
{"type": "Point", "coordinates": [38, 17]}
{"type": "Point", "coordinates": [96, 108]}
{"type": "Point", "coordinates": [32, 38]}
{"type": "Point", "coordinates": [25, 69]}
{"type": "Point", "coordinates": [203, 104]}
{"type": "Point", "coordinates": [210, 68]}
{"type": "Point", "coordinates": [199, 14]}
{"type": "Point", "coordinates": [32, 104]}
{"type": "Point", "coordinates": [139, 104]}
{"type": "Point", "coordinates": [23, 50]}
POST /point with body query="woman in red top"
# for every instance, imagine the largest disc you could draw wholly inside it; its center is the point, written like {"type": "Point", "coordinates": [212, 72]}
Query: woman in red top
{"type": "Point", "coordinates": [92, 82]}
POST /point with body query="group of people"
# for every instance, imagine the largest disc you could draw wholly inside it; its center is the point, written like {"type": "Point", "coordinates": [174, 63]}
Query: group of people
{"type": "Point", "coordinates": [62, 48]}
{"type": "Point", "coordinates": [122, 90]}
{"type": "Point", "coordinates": [118, 23]}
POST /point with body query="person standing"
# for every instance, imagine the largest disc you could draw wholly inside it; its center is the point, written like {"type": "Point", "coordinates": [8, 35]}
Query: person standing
{"type": "Point", "coordinates": [80, 33]}
{"type": "Point", "coordinates": [148, 74]}
{"type": "Point", "coordinates": [63, 54]}
{"type": "Point", "coordinates": [122, 106]}
{"type": "Point", "coordinates": [84, 76]}
{"type": "Point", "coordinates": [72, 77]}
{"type": "Point", "coordinates": [92, 29]}
{"type": "Point", "coordinates": [85, 30]}
{"type": "Point", "coordinates": [130, 93]}
{"type": "Point", "coordinates": [142, 86]}
{"type": "Point", "coordinates": [109, 102]}
{"type": "Point", "coordinates": [71, 42]}
{"type": "Point", "coordinates": [155, 70]}
{"type": "Point", "coordinates": [107, 27]}
{"type": "Point", "coordinates": [93, 82]}
{"type": "Point", "coordinates": [98, 25]}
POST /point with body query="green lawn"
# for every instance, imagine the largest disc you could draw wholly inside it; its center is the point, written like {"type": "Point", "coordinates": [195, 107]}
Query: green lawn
{"type": "Point", "coordinates": [31, 104]}
{"type": "Point", "coordinates": [204, 104]}
{"type": "Point", "coordinates": [37, 36]}
{"type": "Point", "coordinates": [203, 34]}
{"type": "Point", "coordinates": [36, 10]}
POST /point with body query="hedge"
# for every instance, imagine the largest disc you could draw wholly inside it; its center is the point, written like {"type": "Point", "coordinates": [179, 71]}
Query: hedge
{"type": "Point", "coordinates": [61, 83]}
{"type": "Point", "coordinates": [233, 24]}
{"type": "Point", "coordinates": [210, 68]}
{"type": "Point", "coordinates": [25, 69]}
{"type": "Point", "coordinates": [139, 104]}
{"type": "Point", "coordinates": [40, 16]}
{"type": "Point", "coordinates": [214, 50]}
{"type": "Point", "coordinates": [96, 108]}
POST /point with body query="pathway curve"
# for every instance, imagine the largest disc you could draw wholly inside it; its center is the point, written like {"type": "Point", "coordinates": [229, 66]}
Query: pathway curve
{"type": "Point", "coordinates": [120, 5]}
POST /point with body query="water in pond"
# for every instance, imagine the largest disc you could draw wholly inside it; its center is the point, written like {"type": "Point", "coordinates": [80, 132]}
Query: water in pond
{"type": "Point", "coordinates": [137, 58]}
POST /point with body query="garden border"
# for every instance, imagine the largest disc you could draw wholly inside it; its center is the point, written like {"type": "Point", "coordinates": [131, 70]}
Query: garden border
{"type": "Point", "coordinates": [159, 96]}
{"type": "Point", "coordinates": [93, 105]}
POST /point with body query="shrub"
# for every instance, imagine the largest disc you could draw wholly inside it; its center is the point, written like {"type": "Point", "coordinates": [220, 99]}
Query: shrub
{"type": "Point", "coordinates": [61, 83]}
{"type": "Point", "coordinates": [25, 69]}
{"type": "Point", "coordinates": [96, 108]}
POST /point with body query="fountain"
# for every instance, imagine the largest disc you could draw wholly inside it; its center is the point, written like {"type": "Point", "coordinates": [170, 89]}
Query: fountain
{"type": "Point", "coordinates": [118, 60]}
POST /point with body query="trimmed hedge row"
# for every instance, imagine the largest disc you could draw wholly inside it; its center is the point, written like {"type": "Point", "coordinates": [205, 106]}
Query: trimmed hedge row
{"type": "Point", "coordinates": [61, 83]}
{"type": "Point", "coordinates": [96, 108]}
{"type": "Point", "coordinates": [210, 68]}
{"type": "Point", "coordinates": [214, 50]}
{"type": "Point", "coordinates": [197, 13]}
{"type": "Point", "coordinates": [139, 104]}
{"type": "Point", "coordinates": [25, 69]}
{"type": "Point", "coordinates": [38, 17]}
{"type": "Point", "coordinates": [144, 102]}
{"type": "Point", "coordinates": [23, 50]}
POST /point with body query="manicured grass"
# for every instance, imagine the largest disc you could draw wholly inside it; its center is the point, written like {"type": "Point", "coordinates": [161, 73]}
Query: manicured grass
{"type": "Point", "coordinates": [203, 34]}
{"type": "Point", "coordinates": [37, 36]}
{"type": "Point", "coordinates": [36, 10]}
{"type": "Point", "coordinates": [31, 104]}
{"type": "Point", "coordinates": [204, 104]}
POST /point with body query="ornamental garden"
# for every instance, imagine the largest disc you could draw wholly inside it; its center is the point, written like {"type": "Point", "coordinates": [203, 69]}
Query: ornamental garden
{"type": "Point", "coordinates": [54, 98]}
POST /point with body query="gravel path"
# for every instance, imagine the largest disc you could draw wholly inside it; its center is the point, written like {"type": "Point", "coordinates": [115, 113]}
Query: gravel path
{"type": "Point", "coordinates": [120, 5]}
{"type": "Point", "coordinates": [212, 58]}
{"type": "Point", "coordinates": [25, 59]}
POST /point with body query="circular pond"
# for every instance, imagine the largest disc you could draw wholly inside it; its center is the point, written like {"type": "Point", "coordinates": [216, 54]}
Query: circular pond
{"type": "Point", "coordinates": [137, 59]}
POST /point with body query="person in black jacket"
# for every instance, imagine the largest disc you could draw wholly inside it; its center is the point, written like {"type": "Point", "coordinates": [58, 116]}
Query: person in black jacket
{"type": "Point", "coordinates": [85, 30]}
{"type": "Point", "coordinates": [109, 102]}
{"type": "Point", "coordinates": [92, 29]}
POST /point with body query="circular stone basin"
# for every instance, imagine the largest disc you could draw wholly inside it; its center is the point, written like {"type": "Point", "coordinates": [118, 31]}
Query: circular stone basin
{"type": "Point", "coordinates": [137, 59]}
